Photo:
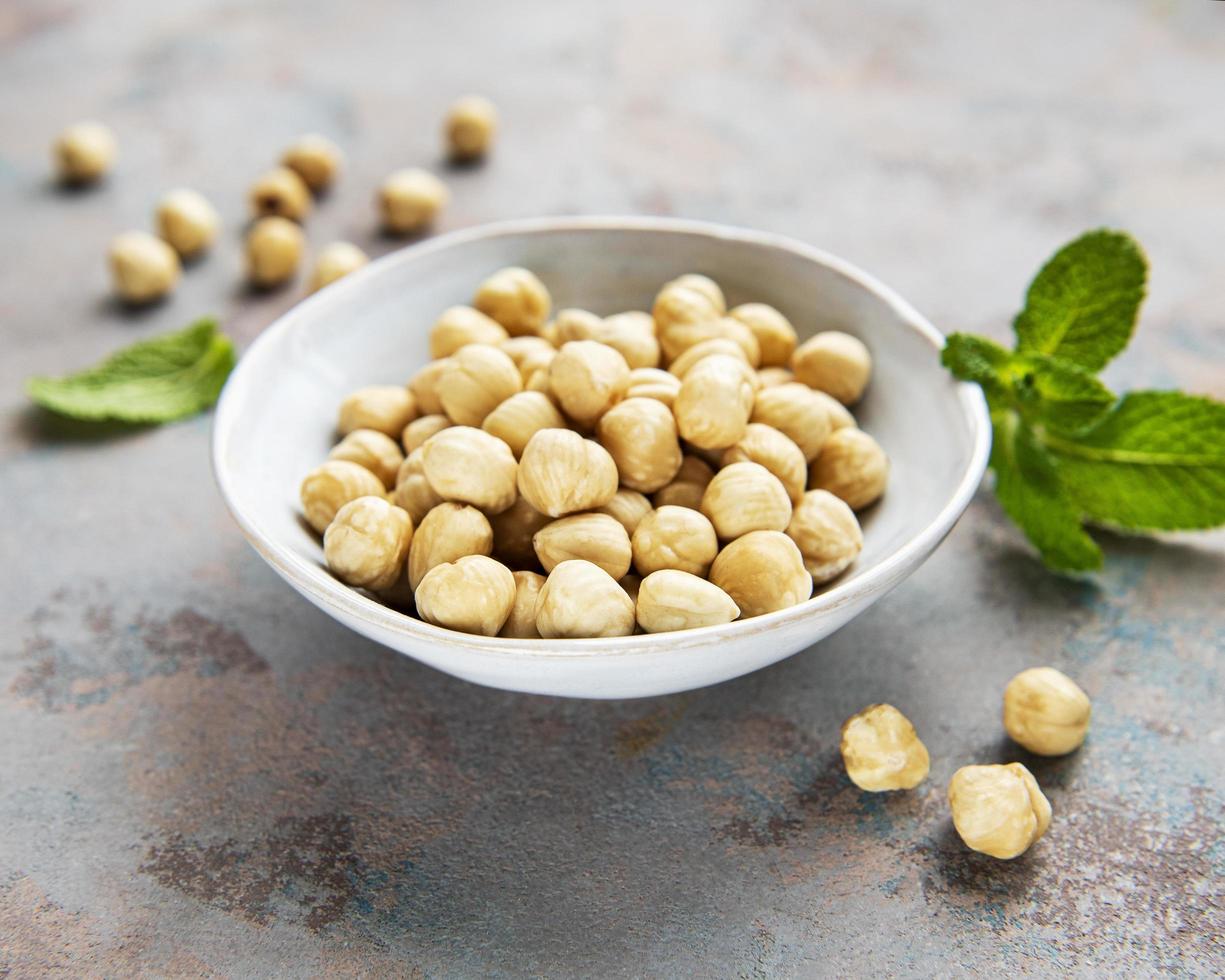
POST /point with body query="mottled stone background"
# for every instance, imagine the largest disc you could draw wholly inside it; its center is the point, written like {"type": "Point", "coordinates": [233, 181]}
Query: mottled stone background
{"type": "Point", "coordinates": [201, 774]}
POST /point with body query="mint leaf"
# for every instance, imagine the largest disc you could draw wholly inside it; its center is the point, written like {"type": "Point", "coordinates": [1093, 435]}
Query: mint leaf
{"type": "Point", "coordinates": [157, 380]}
{"type": "Point", "coordinates": [1058, 393]}
{"type": "Point", "coordinates": [1082, 305]}
{"type": "Point", "coordinates": [1157, 462]}
{"type": "Point", "coordinates": [973, 358]}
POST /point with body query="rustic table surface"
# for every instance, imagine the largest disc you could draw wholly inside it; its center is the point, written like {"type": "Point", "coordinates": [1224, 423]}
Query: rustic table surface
{"type": "Point", "coordinates": [201, 774]}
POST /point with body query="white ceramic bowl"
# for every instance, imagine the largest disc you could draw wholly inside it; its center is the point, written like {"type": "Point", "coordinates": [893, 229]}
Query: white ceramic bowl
{"type": "Point", "coordinates": [275, 422]}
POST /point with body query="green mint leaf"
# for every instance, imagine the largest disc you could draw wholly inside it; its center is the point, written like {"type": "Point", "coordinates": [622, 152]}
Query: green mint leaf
{"type": "Point", "coordinates": [1028, 488]}
{"type": "Point", "coordinates": [157, 380]}
{"type": "Point", "coordinates": [1156, 462]}
{"type": "Point", "coordinates": [1082, 305]}
{"type": "Point", "coordinates": [1058, 393]}
{"type": "Point", "coordinates": [973, 358]}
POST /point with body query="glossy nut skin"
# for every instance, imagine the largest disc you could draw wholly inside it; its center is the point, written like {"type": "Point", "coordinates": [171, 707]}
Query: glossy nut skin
{"type": "Point", "coordinates": [409, 200]}
{"type": "Point", "coordinates": [881, 750]}
{"type": "Point", "coordinates": [562, 473]}
{"type": "Point", "coordinates": [413, 491]}
{"type": "Point", "coordinates": [580, 599]}
{"type": "Point", "coordinates": [596, 538]}
{"type": "Point", "coordinates": [187, 221]}
{"type": "Point", "coordinates": [273, 250]}
{"type": "Point", "coordinates": [419, 430]}
{"type": "Point", "coordinates": [314, 158]}
{"type": "Point", "coordinates": [628, 507]}
{"type": "Point", "coordinates": [521, 623]}
{"type": "Point", "coordinates": [834, 362]}
{"type": "Point", "coordinates": [143, 267]}
{"type": "Point", "coordinates": [330, 486]}
{"type": "Point", "coordinates": [827, 533]}
{"type": "Point", "coordinates": [586, 378]}
{"type": "Point", "coordinates": [652, 383]}
{"type": "Point", "coordinates": [379, 453]}
{"type": "Point", "coordinates": [851, 466]}
{"type": "Point", "coordinates": [280, 193]}
{"type": "Point", "coordinates": [520, 417]}
{"type": "Point", "coordinates": [998, 810]}
{"type": "Point", "coordinates": [762, 571]}
{"type": "Point", "coordinates": [462, 325]}
{"type": "Point", "coordinates": [470, 126]}
{"type": "Point", "coordinates": [367, 543]}
{"type": "Point", "coordinates": [775, 335]}
{"type": "Point", "coordinates": [513, 530]}
{"type": "Point", "coordinates": [473, 594]}
{"type": "Point", "coordinates": [1046, 712]}
{"type": "Point", "coordinates": [715, 402]}
{"type": "Point", "coordinates": [477, 380]}
{"type": "Point", "coordinates": [425, 386]}
{"type": "Point", "coordinates": [796, 411]}
{"type": "Point", "coordinates": [767, 446]}
{"type": "Point", "coordinates": [384, 408]}
{"type": "Point", "coordinates": [516, 298]}
{"type": "Point", "coordinates": [335, 261]}
{"type": "Point", "coordinates": [746, 497]}
{"type": "Point", "coordinates": [674, 600]}
{"type": "Point", "coordinates": [471, 466]}
{"type": "Point", "coordinates": [676, 538]}
{"type": "Point", "coordinates": [448, 532]}
{"type": "Point", "coordinates": [83, 152]}
{"type": "Point", "coordinates": [640, 435]}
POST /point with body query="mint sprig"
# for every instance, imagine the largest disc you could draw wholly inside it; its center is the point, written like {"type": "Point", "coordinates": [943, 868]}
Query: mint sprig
{"type": "Point", "coordinates": [167, 377]}
{"type": "Point", "coordinates": [1066, 451]}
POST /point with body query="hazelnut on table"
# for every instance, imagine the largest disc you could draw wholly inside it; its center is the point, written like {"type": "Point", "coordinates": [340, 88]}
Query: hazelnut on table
{"type": "Point", "coordinates": [83, 152]}
{"type": "Point", "coordinates": [580, 599]}
{"type": "Point", "coordinates": [336, 261]}
{"type": "Point", "coordinates": [280, 193]}
{"type": "Point", "coordinates": [473, 594]}
{"type": "Point", "coordinates": [274, 248]}
{"type": "Point", "coordinates": [367, 542]}
{"type": "Point", "coordinates": [881, 750]}
{"type": "Point", "coordinates": [187, 222]}
{"type": "Point", "coordinates": [470, 127]}
{"type": "Point", "coordinates": [998, 810]}
{"type": "Point", "coordinates": [670, 599]}
{"type": "Point", "coordinates": [1046, 712]}
{"type": "Point", "coordinates": [314, 158]}
{"type": "Point", "coordinates": [143, 267]}
{"type": "Point", "coordinates": [409, 200]}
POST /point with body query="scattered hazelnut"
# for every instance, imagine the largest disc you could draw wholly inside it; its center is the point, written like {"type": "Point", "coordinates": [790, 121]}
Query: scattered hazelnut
{"type": "Point", "coordinates": [384, 408]}
{"type": "Point", "coordinates": [274, 248]}
{"type": "Point", "coordinates": [84, 152]}
{"type": "Point", "coordinates": [881, 750]}
{"type": "Point", "coordinates": [998, 810]}
{"type": "Point", "coordinates": [1046, 712]}
{"type": "Point", "coordinates": [187, 222]}
{"type": "Point", "coordinates": [852, 466]}
{"type": "Point", "coordinates": [596, 538]}
{"type": "Point", "coordinates": [336, 261]}
{"type": "Point", "coordinates": [677, 538]}
{"type": "Point", "coordinates": [367, 542]}
{"type": "Point", "coordinates": [580, 599]}
{"type": "Point", "coordinates": [470, 127]}
{"type": "Point", "coordinates": [834, 362]}
{"type": "Point", "coordinates": [143, 268]}
{"type": "Point", "coordinates": [329, 487]}
{"type": "Point", "coordinates": [674, 600]}
{"type": "Point", "coordinates": [448, 532]}
{"type": "Point", "coordinates": [746, 497]}
{"type": "Point", "coordinates": [473, 594]}
{"type": "Point", "coordinates": [409, 200]}
{"type": "Point", "coordinates": [562, 473]}
{"type": "Point", "coordinates": [379, 453]}
{"type": "Point", "coordinates": [280, 193]}
{"type": "Point", "coordinates": [516, 299]}
{"type": "Point", "coordinates": [763, 571]}
{"type": "Point", "coordinates": [827, 534]}
{"type": "Point", "coordinates": [314, 158]}
{"type": "Point", "coordinates": [471, 466]}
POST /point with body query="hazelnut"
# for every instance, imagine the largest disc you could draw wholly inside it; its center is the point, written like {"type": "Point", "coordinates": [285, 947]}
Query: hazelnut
{"type": "Point", "coordinates": [677, 538]}
{"type": "Point", "coordinates": [516, 299]}
{"type": "Point", "coordinates": [462, 325]}
{"type": "Point", "coordinates": [187, 221]}
{"type": "Point", "coordinates": [766, 445]}
{"type": "Point", "coordinates": [772, 377]}
{"type": "Point", "coordinates": [84, 152]}
{"type": "Point", "coordinates": [705, 285]}
{"type": "Point", "coordinates": [675, 600]}
{"type": "Point", "coordinates": [274, 248]}
{"type": "Point", "coordinates": [632, 337]}
{"type": "Point", "coordinates": [384, 408]}
{"type": "Point", "coordinates": [425, 387]}
{"type": "Point", "coordinates": [834, 362]}
{"type": "Point", "coordinates": [840, 416]}
{"type": "Point", "coordinates": [632, 319]}
{"type": "Point", "coordinates": [586, 378]}
{"type": "Point", "coordinates": [367, 542]}
{"type": "Point", "coordinates": [314, 158]}
{"type": "Point", "coordinates": [478, 378]}
{"type": "Point", "coordinates": [827, 534]}
{"type": "Point", "coordinates": [280, 193]}
{"type": "Point", "coordinates": [640, 435]}
{"type": "Point", "coordinates": [470, 127]}
{"type": "Point", "coordinates": [471, 466]}
{"type": "Point", "coordinates": [1046, 712]}
{"type": "Point", "coordinates": [746, 497]}
{"type": "Point", "coordinates": [521, 623]}
{"type": "Point", "coordinates": [775, 335]}
{"type": "Point", "coordinates": [881, 750]}
{"type": "Point", "coordinates": [797, 412]}
{"type": "Point", "coordinates": [409, 200]}
{"type": "Point", "coordinates": [329, 487]}
{"type": "Point", "coordinates": [628, 507]}
{"type": "Point", "coordinates": [763, 571]}
{"type": "Point", "coordinates": [413, 491]}
{"type": "Point", "coordinates": [715, 401]}
{"type": "Point", "coordinates": [573, 324]}
{"type": "Point", "coordinates": [473, 594]}
{"type": "Point", "coordinates": [143, 268]}
{"type": "Point", "coordinates": [513, 530]}
{"type": "Point", "coordinates": [520, 417]}
{"type": "Point", "coordinates": [419, 430]}
{"type": "Point", "coordinates": [535, 372]}
{"type": "Point", "coordinates": [448, 532]}
{"type": "Point", "coordinates": [580, 599]}
{"type": "Point", "coordinates": [715, 345]}
{"type": "Point", "coordinates": [596, 538]}
{"type": "Point", "coordinates": [379, 453]}
{"type": "Point", "coordinates": [687, 486]}
{"type": "Point", "coordinates": [679, 337]}
{"type": "Point", "coordinates": [652, 383]}
{"type": "Point", "coordinates": [528, 352]}
{"type": "Point", "coordinates": [852, 466]}
{"type": "Point", "coordinates": [562, 473]}
{"type": "Point", "coordinates": [688, 299]}
{"type": "Point", "coordinates": [998, 810]}
{"type": "Point", "coordinates": [336, 261]}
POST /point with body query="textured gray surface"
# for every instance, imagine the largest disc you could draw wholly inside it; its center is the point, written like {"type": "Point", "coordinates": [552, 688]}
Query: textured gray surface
{"type": "Point", "coordinates": [199, 773]}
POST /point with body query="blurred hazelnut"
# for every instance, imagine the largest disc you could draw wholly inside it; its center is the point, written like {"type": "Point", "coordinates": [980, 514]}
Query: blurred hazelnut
{"type": "Point", "coordinates": [774, 332]}
{"type": "Point", "coordinates": [274, 248]}
{"type": "Point", "coordinates": [470, 127]}
{"type": "Point", "coordinates": [280, 193]}
{"type": "Point", "coordinates": [419, 430]}
{"type": "Point", "coordinates": [336, 261]}
{"type": "Point", "coordinates": [409, 200]}
{"type": "Point", "coordinates": [187, 221]}
{"type": "Point", "coordinates": [424, 386]}
{"type": "Point", "coordinates": [143, 268]}
{"type": "Point", "coordinates": [462, 325]}
{"type": "Point", "coordinates": [314, 158]}
{"type": "Point", "coordinates": [83, 152]}
{"type": "Point", "coordinates": [384, 408]}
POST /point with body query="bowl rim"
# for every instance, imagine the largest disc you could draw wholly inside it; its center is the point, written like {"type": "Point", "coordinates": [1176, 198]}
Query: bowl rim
{"type": "Point", "coordinates": [352, 605]}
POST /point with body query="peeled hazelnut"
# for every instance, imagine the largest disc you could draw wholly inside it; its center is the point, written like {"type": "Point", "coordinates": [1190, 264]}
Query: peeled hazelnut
{"type": "Point", "coordinates": [852, 466]}
{"type": "Point", "coordinates": [705, 285]}
{"type": "Point", "coordinates": [409, 200]}
{"type": "Point", "coordinates": [586, 378]}
{"type": "Point", "coordinates": [473, 594]}
{"type": "Point", "coordinates": [527, 350]}
{"type": "Point", "coordinates": [746, 497]}
{"type": "Point", "coordinates": [998, 810]}
{"type": "Point", "coordinates": [187, 221]}
{"type": "Point", "coordinates": [462, 325]}
{"type": "Point", "coordinates": [688, 299]}
{"type": "Point", "coordinates": [280, 193]}
{"type": "Point", "coordinates": [516, 299]}
{"type": "Point", "coordinates": [632, 319]}
{"type": "Point", "coordinates": [143, 268]}
{"type": "Point", "coordinates": [520, 417]}
{"type": "Point", "coordinates": [521, 623]}
{"type": "Point", "coordinates": [314, 158]}
{"type": "Point", "coordinates": [771, 377]}
{"type": "Point", "coordinates": [716, 345]}
{"type": "Point", "coordinates": [329, 487]}
{"type": "Point", "coordinates": [827, 534]}
{"type": "Point", "coordinates": [633, 338]}
{"type": "Point", "coordinates": [675, 600]}
{"type": "Point", "coordinates": [384, 408]}
{"type": "Point", "coordinates": [367, 542]}
{"type": "Point", "coordinates": [448, 532]}
{"type": "Point", "coordinates": [652, 383]}
{"type": "Point", "coordinates": [628, 507]}
{"type": "Point", "coordinates": [797, 412]}
{"type": "Point", "coordinates": [1046, 712]}
{"type": "Point", "coordinates": [425, 386]}
{"type": "Point", "coordinates": [840, 416]}
{"type": "Point", "coordinates": [596, 538]}
{"type": "Point", "coordinates": [336, 261]}
{"type": "Point", "coordinates": [418, 430]}
{"type": "Point", "coordinates": [834, 362]}
{"type": "Point", "coordinates": [766, 445]}
{"type": "Point", "coordinates": [580, 599]}
{"type": "Point", "coordinates": [677, 538]}
{"type": "Point", "coordinates": [774, 332]}
{"type": "Point", "coordinates": [562, 473]}
{"type": "Point", "coordinates": [84, 152]}
{"type": "Point", "coordinates": [715, 401]}
{"type": "Point", "coordinates": [574, 324]}
{"type": "Point", "coordinates": [640, 435]}
{"type": "Point", "coordinates": [470, 127]}
{"type": "Point", "coordinates": [477, 380]}
{"type": "Point", "coordinates": [688, 486]}
{"type": "Point", "coordinates": [677, 338]}
{"type": "Point", "coordinates": [513, 530]}
{"type": "Point", "coordinates": [472, 467]}
{"type": "Point", "coordinates": [881, 750]}
{"type": "Point", "coordinates": [377, 452]}
{"type": "Point", "coordinates": [274, 248]}
{"type": "Point", "coordinates": [413, 491]}
{"type": "Point", "coordinates": [534, 369]}
{"type": "Point", "coordinates": [763, 571]}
